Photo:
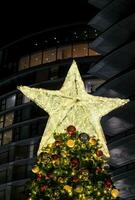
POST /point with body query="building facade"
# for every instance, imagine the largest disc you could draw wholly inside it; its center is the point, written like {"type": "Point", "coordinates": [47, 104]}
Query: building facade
{"type": "Point", "coordinates": [40, 60]}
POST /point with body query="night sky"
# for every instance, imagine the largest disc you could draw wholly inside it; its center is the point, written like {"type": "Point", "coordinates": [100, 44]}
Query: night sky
{"type": "Point", "coordinates": [23, 18]}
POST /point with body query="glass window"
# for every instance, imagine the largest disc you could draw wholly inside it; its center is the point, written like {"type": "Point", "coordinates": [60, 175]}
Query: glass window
{"type": "Point", "coordinates": [49, 55]}
{"type": "Point", "coordinates": [21, 152]}
{"type": "Point", "coordinates": [88, 86]}
{"type": "Point", "coordinates": [7, 137]}
{"type": "Point", "coordinates": [0, 139]}
{"type": "Point", "coordinates": [2, 104]}
{"type": "Point", "coordinates": [54, 73]}
{"type": "Point", "coordinates": [25, 99]}
{"type": "Point", "coordinates": [64, 52]}
{"type": "Point", "coordinates": [17, 193]}
{"type": "Point", "coordinates": [16, 134]}
{"type": "Point", "coordinates": [24, 63]}
{"type": "Point", "coordinates": [9, 119]}
{"type": "Point", "coordinates": [80, 50]}
{"type": "Point", "coordinates": [10, 101]}
{"type": "Point", "coordinates": [36, 59]}
{"type": "Point", "coordinates": [3, 175]}
{"type": "Point", "coordinates": [19, 172]}
{"type": "Point", "coordinates": [4, 157]}
{"type": "Point", "coordinates": [42, 76]}
{"type": "Point", "coordinates": [18, 116]}
{"type": "Point", "coordinates": [2, 195]}
{"type": "Point", "coordinates": [19, 99]}
{"type": "Point", "coordinates": [24, 132]}
{"type": "Point", "coordinates": [2, 121]}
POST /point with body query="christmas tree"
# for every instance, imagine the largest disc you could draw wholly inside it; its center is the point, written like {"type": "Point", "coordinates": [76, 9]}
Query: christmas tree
{"type": "Point", "coordinates": [72, 162]}
{"type": "Point", "coordinates": [73, 168]}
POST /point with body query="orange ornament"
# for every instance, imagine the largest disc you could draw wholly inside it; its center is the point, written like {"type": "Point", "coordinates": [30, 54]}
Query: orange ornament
{"type": "Point", "coordinates": [70, 143]}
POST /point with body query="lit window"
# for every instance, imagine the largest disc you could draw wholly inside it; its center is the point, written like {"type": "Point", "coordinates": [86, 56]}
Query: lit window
{"type": "Point", "coordinates": [36, 59]}
{"type": "Point", "coordinates": [64, 52]}
{"type": "Point", "coordinates": [49, 55]}
{"type": "Point", "coordinates": [9, 119]}
{"type": "Point", "coordinates": [80, 50]}
{"type": "Point", "coordinates": [7, 137]}
{"type": "Point", "coordinates": [24, 63]}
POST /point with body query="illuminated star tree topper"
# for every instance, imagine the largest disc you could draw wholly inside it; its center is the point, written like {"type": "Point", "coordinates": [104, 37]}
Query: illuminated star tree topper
{"type": "Point", "coordinates": [72, 105]}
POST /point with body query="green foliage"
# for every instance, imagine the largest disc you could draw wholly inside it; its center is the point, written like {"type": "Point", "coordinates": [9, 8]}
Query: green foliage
{"type": "Point", "coordinates": [72, 168]}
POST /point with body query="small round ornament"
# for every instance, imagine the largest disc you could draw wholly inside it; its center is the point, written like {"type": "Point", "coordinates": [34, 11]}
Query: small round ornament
{"type": "Point", "coordinates": [115, 193]}
{"type": "Point", "coordinates": [49, 175]}
{"type": "Point", "coordinates": [84, 137]}
{"type": "Point", "coordinates": [93, 141]}
{"type": "Point", "coordinates": [70, 143]}
{"type": "Point", "coordinates": [68, 188]}
{"type": "Point", "coordinates": [108, 183]}
{"type": "Point", "coordinates": [75, 162]}
{"type": "Point", "coordinates": [79, 189]}
{"type": "Point", "coordinates": [99, 153]}
{"type": "Point", "coordinates": [99, 170]}
{"type": "Point", "coordinates": [35, 169]}
{"type": "Point", "coordinates": [75, 179]}
{"type": "Point", "coordinates": [57, 143]}
{"type": "Point", "coordinates": [43, 188]}
{"type": "Point", "coordinates": [39, 177]}
{"type": "Point", "coordinates": [71, 130]}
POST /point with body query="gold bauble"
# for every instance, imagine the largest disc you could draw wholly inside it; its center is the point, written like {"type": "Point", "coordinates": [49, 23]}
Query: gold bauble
{"type": "Point", "coordinates": [115, 193]}
{"type": "Point", "coordinates": [68, 188]}
{"type": "Point", "coordinates": [79, 189]}
{"type": "Point", "coordinates": [64, 154]}
{"type": "Point", "coordinates": [73, 172]}
{"type": "Point", "coordinates": [82, 197]}
{"type": "Point", "coordinates": [56, 162]}
{"type": "Point", "coordinates": [98, 193]}
{"type": "Point", "coordinates": [35, 169]}
{"type": "Point", "coordinates": [93, 141]}
{"type": "Point", "coordinates": [70, 143]}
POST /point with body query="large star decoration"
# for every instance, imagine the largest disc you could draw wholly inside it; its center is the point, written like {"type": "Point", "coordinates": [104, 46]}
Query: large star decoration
{"type": "Point", "coordinates": [72, 105]}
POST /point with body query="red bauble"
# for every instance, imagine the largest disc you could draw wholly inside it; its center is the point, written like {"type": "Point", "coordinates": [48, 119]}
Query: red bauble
{"type": "Point", "coordinates": [98, 170]}
{"type": "Point", "coordinates": [58, 143]}
{"type": "Point", "coordinates": [75, 179]}
{"type": "Point", "coordinates": [74, 162]}
{"type": "Point", "coordinates": [55, 156]}
{"type": "Point", "coordinates": [108, 183]}
{"type": "Point", "coordinates": [71, 130]}
{"type": "Point", "coordinates": [43, 188]}
{"type": "Point", "coordinates": [99, 153]}
{"type": "Point", "coordinates": [49, 176]}
{"type": "Point", "coordinates": [39, 177]}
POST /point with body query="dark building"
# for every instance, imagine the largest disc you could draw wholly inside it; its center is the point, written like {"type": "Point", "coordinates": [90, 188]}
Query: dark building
{"type": "Point", "coordinates": [115, 23]}
{"type": "Point", "coordinates": [41, 60]}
